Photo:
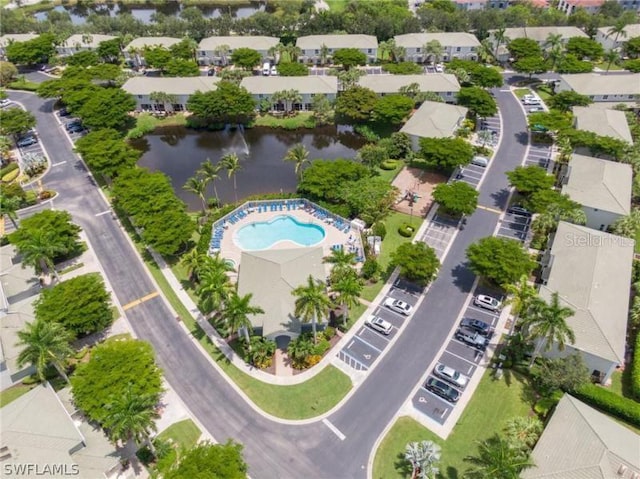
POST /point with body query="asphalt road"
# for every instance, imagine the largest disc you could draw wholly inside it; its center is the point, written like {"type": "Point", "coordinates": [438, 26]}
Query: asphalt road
{"type": "Point", "coordinates": [274, 450]}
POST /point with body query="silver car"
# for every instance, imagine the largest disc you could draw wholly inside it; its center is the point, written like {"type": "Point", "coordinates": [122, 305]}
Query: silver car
{"type": "Point", "coordinates": [487, 302]}
{"type": "Point", "coordinates": [450, 375]}
{"type": "Point", "coordinates": [379, 324]}
{"type": "Point", "coordinates": [398, 306]}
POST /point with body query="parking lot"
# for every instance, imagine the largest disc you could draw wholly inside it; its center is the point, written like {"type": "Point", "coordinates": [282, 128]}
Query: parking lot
{"type": "Point", "coordinates": [472, 174]}
{"type": "Point", "coordinates": [514, 226]}
{"type": "Point", "coordinates": [459, 356]}
{"type": "Point", "coordinates": [74, 134]}
{"type": "Point", "coordinates": [539, 155]}
{"type": "Point", "coordinates": [367, 345]}
{"type": "Point", "coordinates": [439, 233]}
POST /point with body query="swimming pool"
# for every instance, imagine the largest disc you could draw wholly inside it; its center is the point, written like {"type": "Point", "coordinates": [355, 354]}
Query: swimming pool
{"type": "Point", "coordinates": [264, 234]}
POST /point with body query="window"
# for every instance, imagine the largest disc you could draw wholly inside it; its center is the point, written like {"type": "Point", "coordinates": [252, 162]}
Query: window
{"type": "Point", "coordinates": [418, 50]}
{"type": "Point", "coordinates": [158, 107]}
{"type": "Point", "coordinates": [178, 107]}
{"type": "Point", "coordinates": [369, 50]}
{"type": "Point", "coordinates": [297, 106]}
{"type": "Point", "coordinates": [203, 54]}
{"type": "Point", "coordinates": [458, 49]}
{"type": "Point", "coordinates": [605, 97]}
{"type": "Point", "coordinates": [145, 106]}
{"type": "Point", "coordinates": [307, 106]}
{"type": "Point", "coordinates": [140, 96]}
{"type": "Point", "coordinates": [317, 52]}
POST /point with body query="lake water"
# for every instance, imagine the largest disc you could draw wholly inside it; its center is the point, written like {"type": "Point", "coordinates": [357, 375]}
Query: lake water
{"type": "Point", "coordinates": [178, 152]}
{"type": "Point", "coordinates": [80, 12]}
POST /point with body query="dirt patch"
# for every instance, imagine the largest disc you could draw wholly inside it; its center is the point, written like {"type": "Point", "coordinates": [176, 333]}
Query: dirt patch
{"type": "Point", "coordinates": [416, 188]}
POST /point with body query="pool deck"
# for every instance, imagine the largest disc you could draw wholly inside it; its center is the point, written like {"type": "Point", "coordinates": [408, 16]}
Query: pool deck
{"type": "Point", "coordinates": [230, 250]}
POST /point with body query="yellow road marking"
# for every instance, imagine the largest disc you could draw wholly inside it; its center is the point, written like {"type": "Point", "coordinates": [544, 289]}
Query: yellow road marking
{"type": "Point", "coordinates": [493, 210]}
{"type": "Point", "coordinates": [140, 300]}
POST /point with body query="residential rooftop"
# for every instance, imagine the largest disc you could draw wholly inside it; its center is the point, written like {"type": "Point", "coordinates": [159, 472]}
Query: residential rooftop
{"type": "Point", "coordinates": [603, 122]}
{"type": "Point", "coordinates": [16, 37]}
{"type": "Point", "coordinates": [591, 271]}
{"type": "Point", "coordinates": [87, 40]}
{"type": "Point", "coordinates": [581, 442]}
{"type": "Point", "coordinates": [337, 41]}
{"type": "Point", "coordinates": [447, 39]}
{"type": "Point", "coordinates": [143, 42]}
{"type": "Point", "coordinates": [262, 85]}
{"type": "Point", "coordinates": [632, 30]}
{"type": "Point", "coordinates": [236, 41]}
{"type": "Point", "coordinates": [143, 85]}
{"type": "Point", "coordinates": [435, 120]}
{"type": "Point", "coordinates": [540, 34]}
{"type": "Point", "coordinates": [591, 84]}
{"type": "Point", "coordinates": [436, 82]}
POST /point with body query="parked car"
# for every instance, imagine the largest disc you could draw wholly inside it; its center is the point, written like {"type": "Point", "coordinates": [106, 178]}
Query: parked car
{"type": "Point", "coordinates": [73, 126]}
{"type": "Point", "coordinates": [274, 71]}
{"type": "Point", "coordinates": [472, 338]}
{"type": "Point", "coordinates": [62, 112]}
{"type": "Point", "coordinates": [450, 375]}
{"type": "Point", "coordinates": [532, 101]}
{"type": "Point", "coordinates": [528, 96]}
{"type": "Point", "coordinates": [477, 325]}
{"type": "Point", "coordinates": [519, 211]}
{"type": "Point", "coordinates": [4, 103]}
{"type": "Point", "coordinates": [27, 141]}
{"type": "Point", "coordinates": [439, 68]}
{"type": "Point", "coordinates": [266, 68]}
{"type": "Point", "coordinates": [487, 302]}
{"type": "Point", "coordinates": [379, 324]}
{"type": "Point", "coordinates": [536, 109]}
{"type": "Point", "coordinates": [442, 389]}
{"type": "Point", "coordinates": [398, 306]}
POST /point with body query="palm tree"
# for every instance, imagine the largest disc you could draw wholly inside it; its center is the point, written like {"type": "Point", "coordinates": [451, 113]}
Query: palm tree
{"type": "Point", "coordinates": [312, 302]}
{"type": "Point", "coordinates": [433, 49]}
{"type": "Point", "coordinates": [384, 48]}
{"type": "Point", "coordinates": [222, 51]}
{"type": "Point", "coordinates": [553, 41]}
{"type": "Point", "coordinates": [132, 416]}
{"type": "Point", "coordinates": [299, 156]}
{"type": "Point", "coordinates": [324, 54]}
{"type": "Point", "coordinates": [288, 97]}
{"type": "Point", "coordinates": [500, 38]}
{"type": "Point", "coordinates": [40, 250]}
{"type": "Point", "coordinates": [214, 289]}
{"type": "Point", "coordinates": [45, 343]}
{"type": "Point", "coordinates": [192, 261]}
{"type": "Point", "coordinates": [210, 173]}
{"type": "Point", "coordinates": [340, 259]}
{"type": "Point", "coordinates": [555, 54]}
{"type": "Point", "coordinates": [231, 163]}
{"type": "Point", "coordinates": [520, 296]}
{"type": "Point", "coordinates": [497, 459]}
{"type": "Point", "coordinates": [198, 186]}
{"type": "Point", "coordinates": [485, 52]}
{"type": "Point", "coordinates": [349, 78]}
{"type": "Point", "coordinates": [9, 205]}
{"type": "Point", "coordinates": [619, 30]}
{"type": "Point", "coordinates": [485, 136]}
{"type": "Point", "coordinates": [236, 314]}
{"type": "Point", "coordinates": [523, 432]}
{"type": "Point", "coordinates": [349, 287]}
{"type": "Point", "coordinates": [214, 263]}
{"type": "Point", "coordinates": [423, 456]}
{"type": "Point", "coordinates": [164, 98]}
{"type": "Point", "coordinates": [610, 57]}
{"type": "Point", "coordinates": [629, 225]}
{"type": "Point", "coordinates": [293, 51]}
{"type": "Point", "coordinates": [546, 324]}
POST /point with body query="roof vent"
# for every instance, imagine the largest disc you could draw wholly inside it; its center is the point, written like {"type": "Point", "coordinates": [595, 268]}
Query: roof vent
{"type": "Point", "coordinates": [621, 470]}
{"type": "Point", "coordinates": [5, 453]}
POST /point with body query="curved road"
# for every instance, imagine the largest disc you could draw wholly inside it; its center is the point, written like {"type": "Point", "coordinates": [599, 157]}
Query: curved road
{"type": "Point", "coordinates": [274, 450]}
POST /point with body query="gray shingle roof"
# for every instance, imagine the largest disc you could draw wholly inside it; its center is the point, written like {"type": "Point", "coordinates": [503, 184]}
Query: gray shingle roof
{"type": "Point", "coordinates": [16, 37]}
{"type": "Point", "coordinates": [152, 42]}
{"type": "Point", "coordinates": [435, 120]}
{"type": "Point", "coordinates": [262, 85]}
{"type": "Point", "coordinates": [540, 34]}
{"type": "Point", "coordinates": [337, 41]}
{"type": "Point", "coordinates": [436, 82]}
{"type": "Point", "coordinates": [600, 184]}
{"type": "Point", "coordinates": [602, 122]}
{"type": "Point", "coordinates": [446, 39]}
{"type": "Point", "coordinates": [234, 42]}
{"type": "Point", "coordinates": [602, 84]}
{"type": "Point", "coordinates": [582, 443]}
{"type": "Point", "coordinates": [143, 85]}
{"type": "Point", "coordinates": [282, 270]}
{"type": "Point", "coordinates": [591, 271]}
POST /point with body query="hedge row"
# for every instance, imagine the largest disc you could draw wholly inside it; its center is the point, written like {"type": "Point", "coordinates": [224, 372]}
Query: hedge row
{"type": "Point", "coordinates": [635, 370]}
{"type": "Point", "coordinates": [8, 169]}
{"type": "Point", "coordinates": [626, 409]}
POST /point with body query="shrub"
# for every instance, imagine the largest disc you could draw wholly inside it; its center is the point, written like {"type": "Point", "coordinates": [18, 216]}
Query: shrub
{"type": "Point", "coordinates": [635, 370]}
{"type": "Point", "coordinates": [46, 194]}
{"type": "Point", "coordinates": [312, 360]}
{"type": "Point", "coordinates": [322, 347]}
{"type": "Point", "coordinates": [388, 165]}
{"type": "Point", "coordinates": [329, 333]}
{"type": "Point", "coordinates": [370, 269]}
{"type": "Point", "coordinates": [379, 229]}
{"type": "Point", "coordinates": [10, 176]}
{"type": "Point", "coordinates": [145, 455]}
{"type": "Point", "coordinates": [626, 409]}
{"type": "Point", "coordinates": [367, 133]}
{"type": "Point", "coordinates": [8, 169]}
{"type": "Point", "coordinates": [402, 68]}
{"type": "Point", "coordinates": [406, 230]}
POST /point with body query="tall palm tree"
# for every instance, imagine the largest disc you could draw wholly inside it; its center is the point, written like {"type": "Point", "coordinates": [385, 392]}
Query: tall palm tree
{"type": "Point", "coordinates": [485, 52]}
{"type": "Point", "coordinates": [423, 456]}
{"type": "Point", "coordinates": [520, 296]}
{"type": "Point", "coordinates": [340, 259]}
{"type": "Point", "coordinates": [523, 432]}
{"type": "Point", "coordinates": [236, 314]}
{"type": "Point", "coordinates": [324, 54]}
{"type": "Point", "coordinates": [629, 225]}
{"type": "Point", "coordinates": [555, 55]}
{"type": "Point", "coordinates": [192, 261]}
{"type": "Point", "coordinates": [384, 49]}
{"type": "Point", "coordinates": [546, 324]}
{"type": "Point", "coordinates": [610, 57]}
{"type": "Point", "coordinates": [497, 459]}
{"type": "Point", "coordinates": [166, 99]}
{"type": "Point", "coordinates": [231, 163]}
{"type": "Point", "coordinates": [500, 39]}
{"type": "Point", "coordinates": [312, 302]}
{"type": "Point", "coordinates": [45, 343]}
{"type": "Point", "coordinates": [9, 205]}
{"type": "Point", "coordinates": [349, 287]}
{"type": "Point", "coordinates": [198, 186]}
{"type": "Point", "coordinates": [299, 156]}
{"type": "Point", "coordinates": [222, 51]}
{"type": "Point", "coordinates": [40, 250]}
{"type": "Point", "coordinates": [214, 290]}
{"type": "Point", "coordinates": [210, 173]}
{"type": "Point", "coordinates": [434, 49]}
{"type": "Point", "coordinates": [293, 51]}
{"type": "Point", "coordinates": [619, 30]}
{"type": "Point", "coordinates": [132, 416]}
{"type": "Point", "coordinates": [553, 41]}
{"type": "Point", "coordinates": [214, 263]}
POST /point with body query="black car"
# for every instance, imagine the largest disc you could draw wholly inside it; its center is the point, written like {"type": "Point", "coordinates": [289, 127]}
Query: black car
{"type": "Point", "coordinates": [442, 389]}
{"type": "Point", "coordinates": [519, 210]}
{"type": "Point", "coordinates": [477, 325]}
{"type": "Point", "coordinates": [62, 112]}
{"type": "Point", "coordinates": [74, 126]}
{"type": "Point", "coordinates": [472, 338]}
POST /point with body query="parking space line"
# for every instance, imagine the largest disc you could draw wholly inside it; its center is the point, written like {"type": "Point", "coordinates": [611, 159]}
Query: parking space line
{"type": "Point", "coordinates": [484, 311]}
{"type": "Point", "coordinates": [106, 212]}
{"type": "Point", "coordinates": [492, 210]}
{"type": "Point", "coordinates": [367, 343]}
{"type": "Point", "coordinates": [59, 163]}
{"type": "Point", "coordinates": [351, 358]}
{"type": "Point", "coordinates": [333, 429]}
{"type": "Point", "coordinates": [460, 357]}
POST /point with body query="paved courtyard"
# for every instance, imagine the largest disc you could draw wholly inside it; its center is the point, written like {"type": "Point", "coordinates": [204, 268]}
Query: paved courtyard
{"type": "Point", "coordinates": [414, 181]}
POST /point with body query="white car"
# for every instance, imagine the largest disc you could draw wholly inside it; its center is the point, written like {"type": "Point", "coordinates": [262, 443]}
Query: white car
{"type": "Point", "coordinates": [398, 306]}
{"type": "Point", "coordinates": [532, 101]}
{"type": "Point", "coordinates": [379, 324]}
{"type": "Point", "coordinates": [274, 71]}
{"type": "Point", "coordinates": [439, 68]}
{"type": "Point", "coordinates": [450, 375]}
{"type": "Point", "coordinates": [487, 302]}
{"type": "Point", "coordinates": [5, 103]}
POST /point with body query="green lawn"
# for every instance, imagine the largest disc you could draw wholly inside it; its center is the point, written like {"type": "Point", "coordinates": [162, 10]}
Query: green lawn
{"type": "Point", "coordinates": [493, 403]}
{"type": "Point", "coordinates": [300, 120]}
{"type": "Point", "coordinates": [520, 92]}
{"type": "Point", "coordinates": [604, 65]}
{"type": "Point", "coordinates": [23, 84]}
{"type": "Point", "coordinates": [14, 392]}
{"type": "Point", "coordinates": [389, 175]}
{"type": "Point", "coordinates": [146, 123]}
{"type": "Point", "coordinates": [184, 433]}
{"type": "Point", "coordinates": [637, 245]}
{"type": "Point", "coordinates": [544, 92]}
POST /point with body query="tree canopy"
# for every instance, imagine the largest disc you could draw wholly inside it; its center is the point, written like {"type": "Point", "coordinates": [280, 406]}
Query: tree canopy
{"type": "Point", "coordinates": [80, 304]}
{"type": "Point", "coordinates": [179, 67]}
{"type": "Point", "coordinates": [531, 65]}
{"type": "Point", "coordinates": [403, 68]}
{"type": "Point", "coordinates": [8, 72]}
{"type": "Point", "coordinates": [478, 101]}
{"type": "Point", "coordinates": [356, 104]}
{"type": "Point", "coordinates": [222, 461]}
{"type": "Point", "coordinates": [417, 262]}
{"type": "Point", "coordinates": [524, 48]}
{"type": "Point", "coordinates": [392, 109]}
{"type": "Point", "coordinates": [228, 103]}
{"type": "Point", "coordinates": [292, 69]}
{"type": "Point", "coordinates": [553, 120]}
{"type": "Point", "coordinates": [446, 153]}
{"type": "Point", "coordinates": [502, 261]}
{"type": "Point", "coordinates": [107, 108]}
{"type": "Point", "coordinates": [349, 57]}
{"type": "Point", "coordinates": [55, 222]}
{"type": "Point", "coordinates": [529, 179]}
{"type": "Point", "coordinates": [14, 121]}
{"type": "Point", "coordinates": [37, 50]}
{"type": "Point", "coordinates": [246, 58]}
{"type": "Point", "coordinates": [479, 74]}
{"type": "Point", "coordinates": [106, 152]}
{"type": "Point", "coordinates": [114, 368]}
{"type": "Point", "coordinates": [369, 198]}
{"type": "Point", "coordinates": [583, 48]}
{"type": "Point", "coordinates": [324, 179]}
{"type": "Point", "coordinates": [457, 198]}
{"type": "Point", "coordinates": [565, 100]}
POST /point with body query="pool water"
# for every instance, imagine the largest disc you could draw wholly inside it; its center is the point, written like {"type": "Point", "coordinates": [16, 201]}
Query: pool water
{"type": "Point", "coordinates": [264, 234]}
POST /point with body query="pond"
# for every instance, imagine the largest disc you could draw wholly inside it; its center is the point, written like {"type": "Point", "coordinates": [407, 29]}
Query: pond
{"type": "Point", "coordinates": [178, 152]}
{"type": "Point", "coordinates": [144, 12]}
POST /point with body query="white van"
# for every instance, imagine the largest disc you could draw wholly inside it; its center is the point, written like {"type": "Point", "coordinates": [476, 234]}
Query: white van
{"type": "Point", "coordinates": [266, 68]}
{"type": "Point", "coordinates": [480, 161]}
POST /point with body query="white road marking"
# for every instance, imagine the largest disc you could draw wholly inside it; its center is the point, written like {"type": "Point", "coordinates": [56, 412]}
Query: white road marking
{"type": "Point", "coordinates": [334, 429]}
{"type": "Point", "coordinates": [459, 357]}
{"type": "Point", "coordinates": [59, 163]}
{"type": "Point", "coordinates": [469, 370]}
{"type": "Point", "coordinates": [368, 344]}
{"type": "Point", "coordinates": [483, 311]}
{"type": "Point", "coordinates": [350, 344]}
{"type": "Point", "coordinates": [106, 212]}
